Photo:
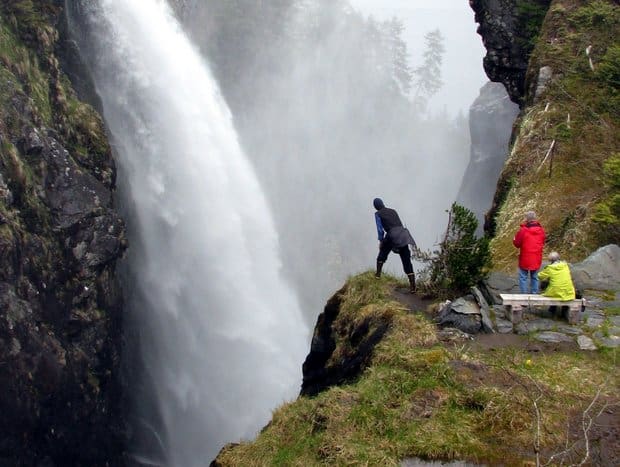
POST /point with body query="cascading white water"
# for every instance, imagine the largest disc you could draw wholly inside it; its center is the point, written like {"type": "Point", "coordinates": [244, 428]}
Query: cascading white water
{"type": "Point", "coordinates": [223, 337]}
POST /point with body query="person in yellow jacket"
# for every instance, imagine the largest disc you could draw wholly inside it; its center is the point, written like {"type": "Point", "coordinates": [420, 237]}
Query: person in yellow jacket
{"type": "Point", "coordinates": [557, 273]}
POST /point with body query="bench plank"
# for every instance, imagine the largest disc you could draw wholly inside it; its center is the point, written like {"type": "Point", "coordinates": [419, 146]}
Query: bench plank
{"type": "Point", "coordinates": [516, 302]}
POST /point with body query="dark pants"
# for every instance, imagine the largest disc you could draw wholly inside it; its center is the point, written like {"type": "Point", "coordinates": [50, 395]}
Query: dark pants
{"type": "Point", "coordinates": [403, 251]}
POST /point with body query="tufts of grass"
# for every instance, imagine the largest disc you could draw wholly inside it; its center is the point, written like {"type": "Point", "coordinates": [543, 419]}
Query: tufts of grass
{"type": "Point", "coordinates": [419, 398]}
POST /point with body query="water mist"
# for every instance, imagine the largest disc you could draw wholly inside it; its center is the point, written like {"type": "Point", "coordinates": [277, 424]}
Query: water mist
{"type": "Point", "coordinates": [221, 332]}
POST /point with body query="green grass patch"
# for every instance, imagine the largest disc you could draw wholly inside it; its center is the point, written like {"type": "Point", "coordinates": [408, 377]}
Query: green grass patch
{"type": "Point", "coordinates": [613, 311]}
{"type": "Point", "coordinates": [420, 398]}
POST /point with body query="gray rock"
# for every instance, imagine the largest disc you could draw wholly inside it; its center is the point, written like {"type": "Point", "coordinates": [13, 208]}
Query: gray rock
{"type": "Point", "coordinates": [462, 314]}
{"type": "Point", "coordinates": [553, 337]}
{"type": "Point", "coordinates": [606, 341]}
{"type": "Point", "coordinates": [594, 319]}
{"type": "Point", "coordinates": [585, 343]}
{"type": "Point", "coordinates": [465, 306]}
{"type": "Point", "coordinates": [5, 193]}
{"type": "Point", "coordinates": [499, 311]}
{"type": "Point", "coordinates": [599, 271]}
{"type": "Point", "coordinates": [31, 142]}
{"type": "Point", "coordinates": [615, 320]}
{"type": "Point", "coordinates": [71, 193]}
{"type": "Point", "coordinates": [568, 329]}
{"type": "Point", "coordinates": [499, 282]}
{"type": "Point", "coordinates": [503, 326]}
{"type": "Point", "coordinates": [487, 324]}
{"type": "Point", "coordinates": [544, 76]}
{"type": "Point", "coordinates": [614, 331]}
{"type": "Point", "coordinates": [535, 325]}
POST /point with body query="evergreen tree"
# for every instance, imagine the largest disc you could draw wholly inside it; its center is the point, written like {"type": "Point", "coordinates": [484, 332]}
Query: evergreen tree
{"type": "Point", "coordinates": [428, 75]}
{"type": "Point", "coordinates": [397, 54]}
{"type": "Point", "coordinates": [463, 259]}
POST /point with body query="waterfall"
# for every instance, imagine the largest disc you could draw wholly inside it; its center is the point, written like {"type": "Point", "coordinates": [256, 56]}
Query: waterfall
{"type": "Point", "coordinates": [221, 331]}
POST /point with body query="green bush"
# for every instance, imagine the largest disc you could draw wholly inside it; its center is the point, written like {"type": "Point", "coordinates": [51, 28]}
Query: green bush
{"type": "Point", "coordinates": [607, 211]}
{"type": "Point", "coordinates": [531, 15]}
{"type": "Point", "coordinates": [608, 69]}
{"type": "Point", "coordinates": [595, 14]}
{"type": "Point", "coordinates": [463, 259]}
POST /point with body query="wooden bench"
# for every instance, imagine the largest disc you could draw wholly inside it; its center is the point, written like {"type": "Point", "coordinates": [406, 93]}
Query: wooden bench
{"type": "Point", "coordinates": [516, 302]}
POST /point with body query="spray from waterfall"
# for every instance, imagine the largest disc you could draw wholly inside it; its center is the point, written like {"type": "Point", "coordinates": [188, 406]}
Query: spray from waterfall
{"type": "Point", "coordinates": [222, 335]}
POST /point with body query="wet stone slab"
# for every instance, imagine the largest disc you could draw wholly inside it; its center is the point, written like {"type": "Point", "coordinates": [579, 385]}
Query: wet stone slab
{"type": "Point", "coordinates": [553, 337]}
{"type": "Point", "coordinates": [585, 343]}
{"type": "Point", "coordinates": [568, 329]}
{"type": "Point", "coordinates": [535, 325]}
{"type": "Point", "coordinates": [606, 340]}
{"type": "Point", "coordinates": [503, 326]}
{"type": "Point", "coordinates": [594, 319]}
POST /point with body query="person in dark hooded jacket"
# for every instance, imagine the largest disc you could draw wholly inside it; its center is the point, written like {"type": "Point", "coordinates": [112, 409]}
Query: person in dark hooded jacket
{"type": "Point", "coordinates": [530, 239]}
{"type": "Point", "coordinates": [393, 236]}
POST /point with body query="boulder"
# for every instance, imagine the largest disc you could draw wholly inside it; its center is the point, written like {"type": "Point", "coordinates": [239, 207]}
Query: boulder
{"type": "Point", "coordinates": [599, 271]}
{"type": "Point", "coordinates": [464, 314]}
{"type": "Point", "coordinates": [585, 343]}
{"type": "Point", "coordinates": [497, 283]}
{"type": "Point", "coordinates": [553, 337]}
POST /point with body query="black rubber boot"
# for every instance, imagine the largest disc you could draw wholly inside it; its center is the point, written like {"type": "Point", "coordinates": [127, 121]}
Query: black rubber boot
{"type": "Point", "coordinates": [411, 282]}
{"type": "Point", "coordinates": [379, 267]}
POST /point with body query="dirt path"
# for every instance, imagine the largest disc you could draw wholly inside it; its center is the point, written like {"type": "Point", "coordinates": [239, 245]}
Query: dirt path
{"type": "Point", "coordinates": [483, 342]}
{"type": "Point", "coordinates": [605, 434]}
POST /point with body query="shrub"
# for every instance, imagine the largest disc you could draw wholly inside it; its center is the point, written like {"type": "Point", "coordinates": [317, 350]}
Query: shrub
{"type": "Point", "coordinates": [463, 259]}
{"type": "Point", "coordinates": [608, 69]}
{"type": "Point", "coordinates": [607, 211]}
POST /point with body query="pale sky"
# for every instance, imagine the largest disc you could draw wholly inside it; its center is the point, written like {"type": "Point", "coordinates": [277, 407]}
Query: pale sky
{"type": "Point", "coordinates": [462, 72]}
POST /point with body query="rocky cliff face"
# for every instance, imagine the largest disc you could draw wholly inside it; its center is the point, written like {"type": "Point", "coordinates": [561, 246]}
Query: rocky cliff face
{"type": "Point", "coordinates": [491, 117]}
{"type": "Point", "coordinates": [565, 141]}
{"type": "Point", "coordinates": [60, 238]}
{"type": "Point", "coordinates": [509, 29]}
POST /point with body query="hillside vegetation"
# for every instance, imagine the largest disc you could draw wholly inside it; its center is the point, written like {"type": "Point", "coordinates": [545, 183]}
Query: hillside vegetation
{"type": "Point", "coordinates": [564, 163]}
{"type": "Point", "coordinates": [421, 398]}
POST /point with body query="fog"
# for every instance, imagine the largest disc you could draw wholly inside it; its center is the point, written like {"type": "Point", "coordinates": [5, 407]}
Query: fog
{"type": "Point", "coordinates": [324, 115]}
{"type": "Point", "coordinates": [252, 138]}
{"type": "Point", "coordinates": [462, 68]}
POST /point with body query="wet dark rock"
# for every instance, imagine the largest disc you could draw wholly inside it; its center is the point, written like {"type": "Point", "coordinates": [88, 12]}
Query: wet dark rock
{"type": "Point", "coordinates": [535, 325]}
{"type": "Point", "coordinates": [320, 370]}
{"type": "Point", "coordinates": [453, 335]}
{"type": "Point", "coordinates": [31, 143]}
{"type": "Point", "coordinates": [553, 337]}
{"type": "Point", "coordinates": [60, 239]}
{"type": "Point", "coordinates": [70, 193]}
{"type": "Point", "coordinates": [463, 314]}
{"type": "Point", "coordinates": [507, 33]}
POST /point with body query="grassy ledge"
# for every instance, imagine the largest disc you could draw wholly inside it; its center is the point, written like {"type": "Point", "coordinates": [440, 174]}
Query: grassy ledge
{"type": "Point", "coordinates": [421, 398]}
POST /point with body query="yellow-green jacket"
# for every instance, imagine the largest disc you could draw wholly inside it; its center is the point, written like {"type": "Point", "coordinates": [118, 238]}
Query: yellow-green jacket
{"type": "Point", "coordinates": [560, 281]}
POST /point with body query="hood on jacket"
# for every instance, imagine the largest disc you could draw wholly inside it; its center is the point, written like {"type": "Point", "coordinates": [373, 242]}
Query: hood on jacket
{"type": "Point", "coordinates": [378, 203]}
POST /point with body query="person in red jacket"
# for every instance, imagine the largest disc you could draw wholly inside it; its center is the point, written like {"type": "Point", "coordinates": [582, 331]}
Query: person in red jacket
{"type": "Point", "coordinates": [530, 240]}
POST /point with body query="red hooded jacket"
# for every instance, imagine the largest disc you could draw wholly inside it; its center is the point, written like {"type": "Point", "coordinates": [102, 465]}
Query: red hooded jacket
{"type": "Point", "coordinates": [530, 239]}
